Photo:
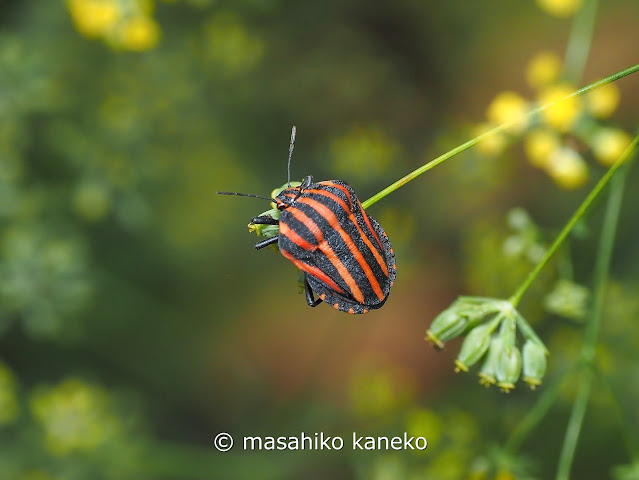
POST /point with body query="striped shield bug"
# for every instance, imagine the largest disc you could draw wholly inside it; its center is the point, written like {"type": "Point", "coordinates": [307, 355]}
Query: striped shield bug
{"type": "Point", "coordinates": [343, 253]}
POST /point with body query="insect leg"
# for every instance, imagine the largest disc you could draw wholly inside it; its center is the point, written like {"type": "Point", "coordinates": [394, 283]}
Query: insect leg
{"type": "Point", "coordinates": [267, 242]}
{"type": "Point", "coordinates": [264, 220]}
{"type": "Point", "coordinates": [312, 302]}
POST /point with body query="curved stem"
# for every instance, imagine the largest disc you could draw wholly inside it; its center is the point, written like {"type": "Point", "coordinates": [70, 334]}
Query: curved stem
{"type": "Point", "coordinates": [465, 146]}
{"type": "Point", "coordinates": [594, 193]}
{"type": "Point", "coordinates": [602, 266]}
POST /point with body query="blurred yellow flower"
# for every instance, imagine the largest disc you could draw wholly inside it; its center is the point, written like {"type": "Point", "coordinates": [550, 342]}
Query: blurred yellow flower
{"type": "Point", "coordinates": [91, 200]}
{"type": "Point", "coordinates": [145, 6]}
{"type": "Point", "coordinates": [608, 144]}
{"type": "Point", "coordinates": [539, 145]}
{"type": "Point", "coordinates": [94, 17]}
{"type": "Point", "coordinates": [373, 394]}
{"type": "Point", "coordinates": [560, 8]}
{"type": "Point", "coordinates": [74, 416]}
{"type": "Point", "coordinates": [8, 401]}
{"type": "Point", "coordinates": [363, 150]}
{"type": "Point", "coordinates": [567, 168]}
{"type": "Point", "coordinates": [398, 221]}
{"type": "Point", "coordinates": [36, 475]}
{"type": "Point", "coordinates": [504, 475]}
{"type": "Point", "coordinates": [508, 107]}
{"type": "Point", "coordinates": [603, 101]}
{"type": "Point", "coordinates": [568, 299]}
{"type": "Point", "coordinates": [126, 25]}
{"type": "Point", "coordinates": [424, 422]}
{"type": "Point", "coordinates": [447, 464]}
{"type": "Point", "coordinates": [139, 33]}
{"type": "Point", "coordinates": [543, 69]}
{"type": "Point", "coordinates": [386, 467]}
{"type": "Point", "coordinates": [493, 145]}
{"type": "Point", "coordinates": [230, 44]}
{"type": "Point", "coordinates": [563, 114]}
{"type": "Point", "coordinates": [379, 392]}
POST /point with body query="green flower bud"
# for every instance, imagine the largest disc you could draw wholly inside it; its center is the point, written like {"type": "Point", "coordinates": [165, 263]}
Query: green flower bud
{"type": "Point", "coordinates": [507, 332]}
{"type": "Point", "coordinates": [266, 230]}
{"type": "Point", "coordinates": [476, 307]}
{"type": "Point", "coordinates": [534, 359]}
{"type": "Point", "coordinates": [489, 368]}
{"type": "Point", "coordinates": [475, 345]}
{"type": "Point", "coordinates": [508, 368]}
{"type": "Point", "coordinates": [447, 325]}
{"type": "Point", "coordinates": [462, 315]}
{"type": "Point", "coordinates": [568, 299]}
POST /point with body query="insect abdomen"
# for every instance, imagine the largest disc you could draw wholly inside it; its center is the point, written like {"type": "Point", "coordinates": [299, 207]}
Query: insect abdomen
{"type": "Point", "coordinates": [327, 234]}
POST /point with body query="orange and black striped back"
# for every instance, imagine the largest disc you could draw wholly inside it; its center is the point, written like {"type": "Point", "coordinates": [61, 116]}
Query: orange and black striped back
{"type": "Point", "coordinates": [345, 254]}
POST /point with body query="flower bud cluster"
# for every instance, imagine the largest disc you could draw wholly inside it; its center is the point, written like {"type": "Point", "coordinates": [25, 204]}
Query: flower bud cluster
{"type": "Point", "coordinates": [551, 139]}
{"type": "Point", "coordinates": [490, 326]}
{"type": "Point", "coordinates": [123, 25]}
{"type": "Point", "coordinates": [526, 241]}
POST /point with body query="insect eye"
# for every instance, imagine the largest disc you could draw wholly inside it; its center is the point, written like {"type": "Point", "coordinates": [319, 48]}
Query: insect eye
{"type": "Point", "coordinates": [282, 203]}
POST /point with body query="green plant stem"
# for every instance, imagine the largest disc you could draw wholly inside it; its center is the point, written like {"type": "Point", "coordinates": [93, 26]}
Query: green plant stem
{"type": "Point", "coordinates": [579, 41]}
{"type": "Point", "coordinates": [602, 267]}
{"type": "Point", "coordinates": [631, 439]}
{"type": "Point", "coordinates": [574, 426]}
{"type": "Point", "coordinates": [594, 193]}
{"type": "Point", "coordinates": [465, 146]}
{"type": "Point", "coordinates": [536, 414]}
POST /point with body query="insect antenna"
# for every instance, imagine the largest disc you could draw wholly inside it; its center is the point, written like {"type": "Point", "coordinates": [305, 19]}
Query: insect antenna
{"type": "Point", "coordinates": [290, 154]}
{"type": "Point", "coordinates": [245, 195]}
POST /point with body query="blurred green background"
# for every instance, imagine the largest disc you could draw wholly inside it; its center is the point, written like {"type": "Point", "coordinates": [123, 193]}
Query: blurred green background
{"type": "Point", "coordinates": [136, 319]}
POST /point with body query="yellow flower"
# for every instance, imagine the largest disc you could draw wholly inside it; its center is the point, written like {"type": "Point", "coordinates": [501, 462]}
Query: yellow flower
{"type": "Point", "coordinates": [36, 475]}
{"type": "Point", "coordinates": [508, 107]}
{"type": "Point", "coordinates": [493, 145]}
{"type": "Point", "coordinates": [603, 101]}
{"type": "Point", "coordinates": [139, 33]}
{"type": "Point", "coordinates": [424, 422]}
{"type": "Point", "coordinates": [539, 145]}
{"type": "Point", "coordinates": [608, 144]}
{"type": "Point", "coordinates": [145, 6]}
{"type": "Point", "coordinates": [376, 392]}
{"type": "Point", "coordinates": [563, 114]}
{"type": "Point", "coordinates": [363, 150]}
{"type": "Point", "coordinates": [560, 8]}
{"type": "Point", "coordinates": [503, 474]}
{"type": "Point", "coordinates": [231, 44]}
{"type": "Point", "coordinates": [567, 168]}
{"type": "Point", "coordinates": [91, 200]}
{"type": "Point", "coordinates": [94, 17]}
{"type": "Point", "coordinates": [543, 69]}
{"type": "Point", "coordinates": [74, 416]}
{"type": "Point", "coordinates": [8, 402]}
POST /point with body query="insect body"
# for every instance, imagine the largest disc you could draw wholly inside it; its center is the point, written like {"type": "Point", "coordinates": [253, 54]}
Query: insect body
{"type": "Point", "coordinates": [345, 255]}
